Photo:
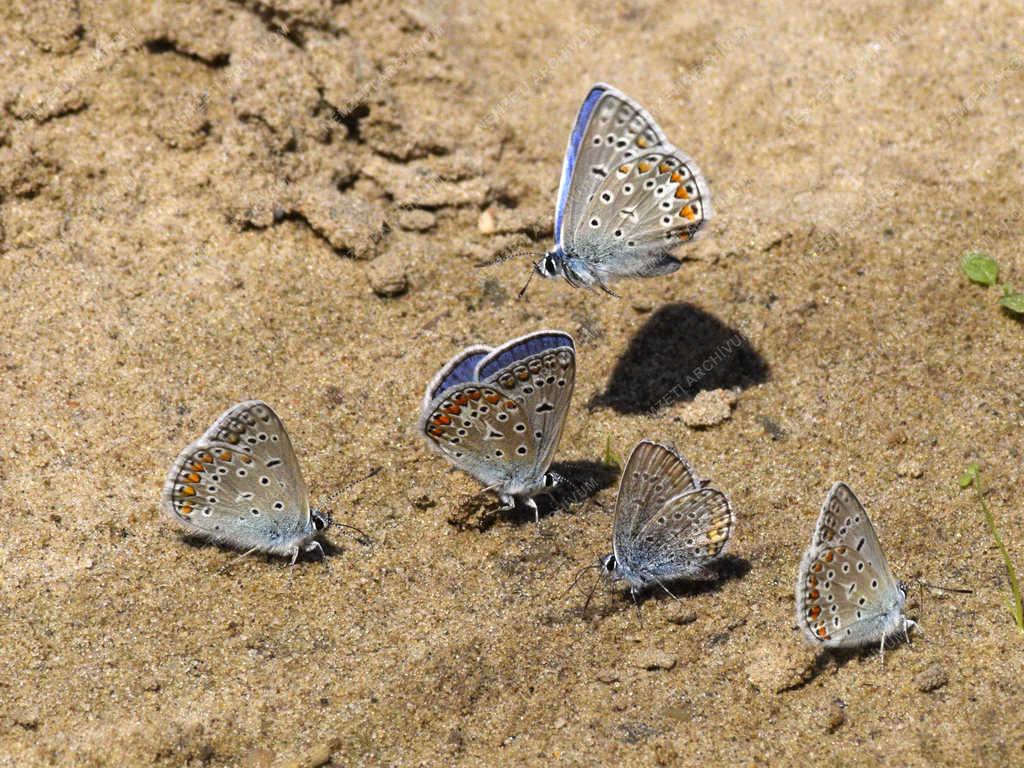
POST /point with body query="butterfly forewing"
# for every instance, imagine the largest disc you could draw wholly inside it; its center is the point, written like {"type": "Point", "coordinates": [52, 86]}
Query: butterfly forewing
{"type": "Point", "coordinates": [482, 430]}
{"type": "Point", "coordinates": [239, 479]}
{"type": "Point", "coordinates": [539, 374]}
{"type": "Point", "coordinates": [628, 195]}
{"type": "Point", "coordinates": [845, 587]}
{"type": "Point", "coordinates": [654, 473]}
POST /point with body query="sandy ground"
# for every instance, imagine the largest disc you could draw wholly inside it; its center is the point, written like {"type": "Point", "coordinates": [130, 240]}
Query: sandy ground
{"type": "Point", "coordinates": [283, 199]}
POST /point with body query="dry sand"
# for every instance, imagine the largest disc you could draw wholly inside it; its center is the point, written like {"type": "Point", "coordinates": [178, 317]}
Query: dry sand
{"type": "Point", "coordinates": [195, 201]}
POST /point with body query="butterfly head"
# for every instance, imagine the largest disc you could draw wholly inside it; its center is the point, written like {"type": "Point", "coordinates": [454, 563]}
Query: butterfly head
{"type": "Point", "coordinates": [549, 265]}
{"type": "Point", "coordinates": [609, 567]}
{"type": "Point", "coordinates": [321, 520]}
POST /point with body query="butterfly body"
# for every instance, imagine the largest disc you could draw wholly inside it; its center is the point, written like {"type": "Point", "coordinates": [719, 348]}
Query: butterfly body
{"type": "Point", "coordinates": [846, 594]}
{"type": "Point", "coordinates": [668, 526]}
{"type": "Point", "coordinates": [498, 414]}
{"type": "Point", "coordinates": [240, 485]}
{"type": "Point", "coordinates": [627, 196]}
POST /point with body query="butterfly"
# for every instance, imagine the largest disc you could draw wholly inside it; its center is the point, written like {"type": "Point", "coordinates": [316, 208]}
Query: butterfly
{"type": "Point", "coordinates": [845, 593]}
{"type": "Point", "coordinates": [627, 196]}
{"type": "Point", "coordinates": [497, 414]}
{"type": "Point", "coordinates": [668, 525]}
{"type": "Point", "coordinates": [240, 485]}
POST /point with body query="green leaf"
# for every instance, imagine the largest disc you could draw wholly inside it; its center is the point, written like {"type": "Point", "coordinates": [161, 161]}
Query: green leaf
{"type": "Point", "coordinates": [980, 268]}
{"type": "Point", "coordinates": [969, 475]}
{"type": "Point", "coordinates": [1013, 302]}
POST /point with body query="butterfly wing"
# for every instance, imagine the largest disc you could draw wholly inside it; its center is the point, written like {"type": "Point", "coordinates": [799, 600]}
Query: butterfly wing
{"type": "Point", "coordinates": [845, 590]}
{"type": "Point", "coordinates": [240, 482]}
{"type": "Point", "coordinates": [683, 536]}
{"type": "Point", "coordinates": [654, 473]}
{"type": "Point", "coordinates": [631, 196]}
{"type": "Point", "coordinates": [483, 431]}
{"type": "Point", "coordinates": [538, 371]}
{"type": "Point", "coordinates": [461, 368]}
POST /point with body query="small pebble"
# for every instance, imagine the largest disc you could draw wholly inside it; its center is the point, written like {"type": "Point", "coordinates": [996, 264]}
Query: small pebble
{"type": "Point", "coordinates": [417, 220]}
{"type": "Point", "coordinates": [909, 468]}
{"type": "Point", "coordinates": [931, 678]}
{"type": "Point", "coordinates": [777, 666]}
{"type": "Point", "coordinates": [258, 758]}
{"type": "Point", "coordinates": [681, 617]}
{"type": "Point", "coordinates": [652, 660]}
{"type": "Point", "coordinates": [315, 757]}
{"type": "Point", "coordinates": [709, 408]}
{"type": "Point", "coordinates": [836, 716]}
{"type": "Point", "coordinates": [419, 498]}
{"type": "Point", "coordinates": [608, 676]}
{"type": "Point", "coordinates": [486, 224]}
{"type": "Point", "coordinates": [387, 277]}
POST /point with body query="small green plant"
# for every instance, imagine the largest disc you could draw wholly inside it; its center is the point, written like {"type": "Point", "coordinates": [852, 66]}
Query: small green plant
{"type": "Point", "coordinates": [611, 459]}
{"type": "Point", "coordinates": [972, 476]}
{"type": "Point", "coordinates": [982, 269]}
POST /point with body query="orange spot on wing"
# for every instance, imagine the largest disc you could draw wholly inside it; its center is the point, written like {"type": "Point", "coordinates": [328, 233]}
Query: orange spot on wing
{"type": "Point", "coordinates": [461, 398]}
{"type": "Point", "coordinates": [442, 420]}
{"type": "Point", "coordinates": [814, 612]}
{"type": "Point", "coordinates": [198, 467]}
{"type": "Point", "coordinates": [676, 177]}
{"type": "Point", "coordinates": [192, 477]}
{"type": "Point", "coordinates": [475, 394]}
{"type": "Point", "coordinates": [687, 212]}
{"type": "Point", "coordinates": [814, 594]}
{"type": "Point", "coordinates": [511, 405]}
{"type": "Point", "coordinates": [829, 556]}
{"type": "Point", "coordinates": [681, 194]}
{"type": "Point", "coordinates": [664, 168]}
{"type": "Point", "coordinates": [492, 398]}
{"type": "Point", "coordinates": [224, 456]}
{"type": "Point", "coordinates": [642, 142]}
{"type": "Point", "coordinates": [643, 167]}
{"type": "Point", "coordinates": [452, 409]}
{"type": "Point", "coordinates": [822, 632]}
{"type": "Point", "coordinates": [188, 490]}
{"type": "Point", "coordinates": [624, 168]}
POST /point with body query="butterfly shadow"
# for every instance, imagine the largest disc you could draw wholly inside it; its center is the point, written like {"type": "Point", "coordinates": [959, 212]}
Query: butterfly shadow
{"type": "Point", "coordinates": [582, 480]}
{"type": "Point", "coordinates": [327, 550]}
{"type": "Point", "coordinates": [725, 569]}
{"type": "Point", "coordinates": [680, 351]}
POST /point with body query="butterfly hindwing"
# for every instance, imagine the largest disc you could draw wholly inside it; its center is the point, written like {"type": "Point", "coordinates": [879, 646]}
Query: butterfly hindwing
{"type": "Point", "coordinates": [241, 483]}
{"type": "Point", "coordinates": [846, 592]}
{"type": "Point", "coordinates": [628, 196]}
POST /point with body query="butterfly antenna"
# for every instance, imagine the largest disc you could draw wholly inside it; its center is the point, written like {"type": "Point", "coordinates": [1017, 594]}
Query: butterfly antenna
{"type": "Point", "coordinates": [502, 258]}
{"type": "Point", "coordinates": [337, 493]}
{"type": "Point", "coordinates": [522, 291]}
{"type": "Point", "coordinates": [361, 536]}
{"type": "Point", "coordinates": [579, 574]}
{"type": "Point", "coordinates": [590, 595]}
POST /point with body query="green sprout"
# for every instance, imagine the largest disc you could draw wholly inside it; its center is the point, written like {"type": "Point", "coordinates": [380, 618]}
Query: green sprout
{"type": "Point", "coordinates": [982, 269]}
{"type": "Point", "coordinates": [611, 459]}
{"type": "Point", "coordinates": [972, 476]}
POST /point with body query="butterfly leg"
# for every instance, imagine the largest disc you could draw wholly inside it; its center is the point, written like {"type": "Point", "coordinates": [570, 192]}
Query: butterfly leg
{"type": "Point", "coordinates": [909, 624]}
{"type": "Point", "coordinates": [242, 556]}
{"type": "Point", "coordinates": [667, 590]}
{"type": "Point", "coordinates": [316, 545]}
{"type": "Point", "coordinates": [639, 618]}
{"type": "Point", "coordinates": [508, 503]}
{"type": "Point", "coordinates": [533, 505]}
